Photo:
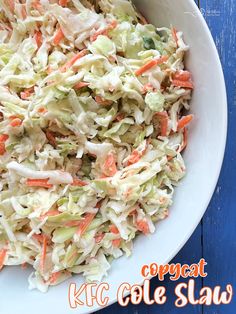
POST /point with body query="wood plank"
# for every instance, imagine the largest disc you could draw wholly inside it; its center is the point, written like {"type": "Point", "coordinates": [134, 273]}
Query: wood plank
{"type": "Point", "coordinates": [219, 245]}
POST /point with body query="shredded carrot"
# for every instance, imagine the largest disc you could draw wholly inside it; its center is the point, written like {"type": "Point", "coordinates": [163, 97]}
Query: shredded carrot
{"type": "Point", "coordinates": [143, 20]}
{"type": "Point", "coordinates": [184, 84]}
{"type": "Point", "coordinates": [50, 213]}
{"type": "Point", "coordinates": [184, 121]}
{"type": "Point", "coordinates": [16, 122]}
{"type": "Point", "coordinates": [11, 4]}
{"type": "Point", "coordinates": [164, 118]}
{"type": "Point", "coordinates": [114, 229]}
{"type": "Point", "coordinates": [3, 138]}
{"type": "Point", "coordinates": [119, 117]}
{"type": "Point", "coordinates": [81, 85]}
{"type": "Point", "coordinates": [142, 226]}
{"type": "Point", "coordinates": [51, 138]}
{"type": "Point", "coordinates": [54, 277]}
{"type": "Point", "coordinates": [27, 93]}
{"type": "Point", "coordinates": [150, 65]}
{"type": "Point", "coordinates": [38, 237]}
{"type": "Point", "coordinates": [98, 237]}
{"type": "Point", "coordinates": [148, 88]}
{"type": "Point", "coordinates": [78, 56]}
{"type": "Point", "coordinates": [174, 35]}
{"type": "Point", "coordinates": [63, 3]}
{"type": "Point", "coordinates": [78, 182]}
{"type": "Point", "coordinates": [85, 223]}
{"type": "Point", "coordinates": [136, 155]}
{"type": "Point", "coordinates": [42, 110]}
{"type": "Point", "coordinates": [38, 38]}
{"type": "Point", "coordinates": [109, 167]}
{"type": "Point", "coordinates": [44, 252]}
{"type": "Point", "coordinates": [23, 11]}
{"type": "Point", "coordinates": [3, 253]}
{"type": "Point", "coordinates": [37, 5]}
{"type": "Point", "coordinates": [72, 223]}
{"type": "Point", "coordinates": [101, 101]}
{"type": "Point", "coordinates": [43, 183]}
{"type": "Point", "coordinates": [58, 37]}
{"type": "Point", "coordinates": [182, 76]}
{"type": "Point", "coordinates": [104, 31]}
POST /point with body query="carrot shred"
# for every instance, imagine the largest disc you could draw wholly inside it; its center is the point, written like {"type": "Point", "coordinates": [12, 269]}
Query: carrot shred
{"type": "Point", "coordinates": [78, 56]}
{"type": "Point", "coordinates": [54, 277]}
{"type": "Point", "coordinates": [3, 253]}
{"type": "Point", "coordinates": [51, 138]}
{"type": "Point", "coordinates": [148, 88]}
{"type": "Point", "coordinates": [38, 38]}
{"type": "Point", "coordinates": [43, 183]}
{"type": "Point", "coordinates": [142, 226]}
{"type": "Point", "coordinates": [81, 85]}
{"type": "Point", "coordinates": [119, 117]}
{"type": "Point", "coordinates": [63, 3]}
{"type": "Point", "coordinates": [102, 101]}
{"type": "Point", "coordinates": [114, 229]}
{"type": "Point", "coordinates": [38, 237]}
{"type": "Point", "coordinates": [50, 213]}
{"type": "Point", "coordinates": [78, 182]}
{"type": "Point", "coordinates": [184, 121]}
{"type": "Point", "coordinates": [164, 118]}
{"type": "Point", "coordinates": [16, 122]}
{"type": "Point", "coordinates": [109, 167]}
{"type": "Point", "coordinates": [182, 76]}
{"type": "Point", "coordinates": [23, 12]}
{"type": "Point", "coordinates": [44, 252]}
{"type": "Point", "coordinates": [59, 35]}
{"type": "Point", "coordinates": [11, 4]}
{"type": "Point", "coordinates": [184, 84]}
{"type": "Point", "coordinates": [104, 31]}
{"type": "Point", "coordinates": [151, 64]}
{"type": "Point", "coordinates": [42, 110]}
{"type": "Point", "coordinates": [85, 223]}
{"type": "Point", "coordinates": [174, 35]}
{"type": "Point", "coordinates": [3, 138]}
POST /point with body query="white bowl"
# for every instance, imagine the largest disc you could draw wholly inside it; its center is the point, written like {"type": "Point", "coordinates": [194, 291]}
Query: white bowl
{"type": "Point", "coordinates": [203, 157]}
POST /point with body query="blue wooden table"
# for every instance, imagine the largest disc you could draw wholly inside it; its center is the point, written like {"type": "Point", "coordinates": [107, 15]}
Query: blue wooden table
{"type": "Point", "coordinates": [215, 237]}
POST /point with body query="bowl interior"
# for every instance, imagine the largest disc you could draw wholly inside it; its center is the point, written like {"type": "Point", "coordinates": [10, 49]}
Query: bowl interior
{"type": "Point", "coordinates": [203, 158]}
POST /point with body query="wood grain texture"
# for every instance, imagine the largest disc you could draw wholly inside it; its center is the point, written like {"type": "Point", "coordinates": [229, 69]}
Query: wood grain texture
{"type": "Point", "coordinates": [214, 239]}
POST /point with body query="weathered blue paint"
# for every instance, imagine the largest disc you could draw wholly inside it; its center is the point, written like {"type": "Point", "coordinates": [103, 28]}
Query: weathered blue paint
{"type": "Point", "coordinates": [214, 239]}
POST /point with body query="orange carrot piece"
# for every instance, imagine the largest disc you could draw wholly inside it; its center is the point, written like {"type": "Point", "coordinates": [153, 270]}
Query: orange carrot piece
{"type": "Point", "coordinates": [43, 183]}
{"type": "Point", "coordinates": [101, 101]}
{"type": "Point", "coordinates": [148, 88]}
{"type": "Point", "coordinates": [38, 38]}
{"type": "Point", "coordinates": [58, 37]}
{"type": "Point", "coordinates": [81, 85]}
{"type": "Point", "coordinates": [164, 118]}
{"type": "Point", "coordinates": [54, 277]}
{"type": "Point", "coordinates": [11, 4]}
{"type": "Point", "coordinates": [51, 138]}
{"type": "Point", "coordinates": [150, 65]}
{"type": "Point", "coordinates": [50, 213]}
{"type": "Point", "coordinates": [23, 11]}
{"type": "Point", "coordinates": [3, 253]}
{"type": "Point", "coordinates": [85, 223]}
{"type": "Point", "coordinates": [142, 226]}
{"type": "Point", "coordinates": [134, 157]}
{"type": "Point", "coordinates": [182, 76]}
{"type": "Point", "coordinates": [78, 182]}
{"type": "Point", "coordinates": [42, 110]}
{"type": "Point", "coordinates": [174, 35]}
{"type": "Point", "coordinates": [184, 121]}
{"type": "Point", "coordinates": [63, 3]}
{"type": "Point", "coordinates": [43, 255]}
{"type": "Point", "coordinates": [104, 31]}
{"type": "Point", "coordinates": [72, 223]}
{"type": "Point", "coordinates": [2, 149]}
{"type": "Point", "coordinates": [38, 237]}
{"type": "Point", "coordinates": [16, 122]}
{"type": "Point", "coordinates": [109, 167]}
{"type": "Point", "coordinates": [119, 117]}
{"type": "Point", "coordinates": [3, 138]}
{"type": "Point", "coordinates": [114, 229]}
{"type": "Point", "coordinates": [78, 56]}
{"type": "Point", "coordinates": [184, 84]}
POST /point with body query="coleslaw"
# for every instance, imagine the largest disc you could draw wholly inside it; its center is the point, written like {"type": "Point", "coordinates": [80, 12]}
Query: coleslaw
{"type": "Point", "coordinates": [92, 127]}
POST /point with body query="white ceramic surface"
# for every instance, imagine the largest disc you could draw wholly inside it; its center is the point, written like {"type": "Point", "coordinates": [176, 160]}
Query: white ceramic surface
{"type": "Point", "coordinates": [203, 158]}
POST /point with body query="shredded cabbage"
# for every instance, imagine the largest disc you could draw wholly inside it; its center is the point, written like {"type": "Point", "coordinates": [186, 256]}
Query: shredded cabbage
{"type": "Point", "coordinates": [91, 133]}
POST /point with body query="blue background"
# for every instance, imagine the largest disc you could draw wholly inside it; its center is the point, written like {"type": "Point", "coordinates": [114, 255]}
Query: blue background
{"type": "Point", "coordinates": [215, 237]}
